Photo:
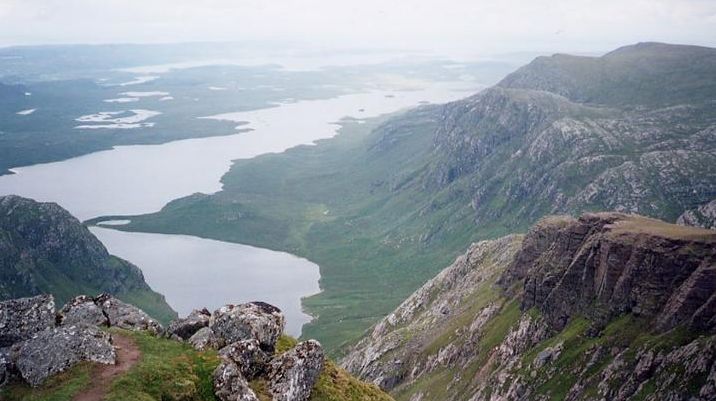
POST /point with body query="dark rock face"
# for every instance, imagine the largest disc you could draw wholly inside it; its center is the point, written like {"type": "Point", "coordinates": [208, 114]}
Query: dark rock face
{"type": "Point", "coordinates": [42, 241]}
{"type": "Point", "coordinates": [188, 326]}
{"type": "Point", "coordinates": [55, 350]}
{"type": "Point", "coordinates": [21, 318]}
{"type": "Point", "coordinates": [292, 375]}
{"type": "Point", "coordinates": [253, 320]}
{"type": "Point", "coordinates": [230, 385]}
{"type": "Point", "coordinates": [126, 316]}
{"type": "Point", "coordinates": [82, 310]}
{"type": "Point", "coordinates": [248, 356]}
{"type": "Point", "coordinates": [606, 264]}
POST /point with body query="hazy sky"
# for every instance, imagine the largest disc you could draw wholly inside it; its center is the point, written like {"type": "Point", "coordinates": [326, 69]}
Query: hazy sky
{"type": "Point", "coordinates": [439, 25]}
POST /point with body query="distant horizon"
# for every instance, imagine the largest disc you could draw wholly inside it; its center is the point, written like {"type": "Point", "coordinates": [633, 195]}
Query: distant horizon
{"type": "Point", "coordinates": [454, 27]}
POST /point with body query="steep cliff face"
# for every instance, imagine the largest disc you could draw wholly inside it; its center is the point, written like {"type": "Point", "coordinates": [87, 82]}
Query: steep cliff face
{"type": "Point", "coordinates": [607, 306]}
{"type": "Point", "coordinates": [44, 249]}
{"type": "Point", "coordinates": [604, 265]}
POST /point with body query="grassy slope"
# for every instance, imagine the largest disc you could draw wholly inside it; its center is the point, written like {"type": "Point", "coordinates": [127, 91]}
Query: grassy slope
{"type": "Point", "coordinates": [392, 236]}
{"type": "Point", "coordinates": [173, 371]}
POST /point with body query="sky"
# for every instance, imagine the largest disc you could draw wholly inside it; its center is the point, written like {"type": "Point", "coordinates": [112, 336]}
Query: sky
{"type": "Point", "coordinates": [443, 26]}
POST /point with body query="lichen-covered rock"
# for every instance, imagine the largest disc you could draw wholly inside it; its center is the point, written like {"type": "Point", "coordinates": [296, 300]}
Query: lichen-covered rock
{"type": "Point", "coordinates": [257, 320]}
{"type": "Point", "coordinates": [205, 339]}
{"type": "Point", "coordinates": [230, 385]}
{"type": "Point", "coordinates": [21, 318]}
{"type": "Point", "coordinates": [291, 376]}
{"type": "Point", "coordinates": [184, 328]}
{"type": "Point", "coordinates": [126, 316]}
{"type": "Point", "coordinates": [82, 310]}
{"type": "Point", "coordinates": [55, 350]}
{"type": "Point", "coordinates": [248, 356]}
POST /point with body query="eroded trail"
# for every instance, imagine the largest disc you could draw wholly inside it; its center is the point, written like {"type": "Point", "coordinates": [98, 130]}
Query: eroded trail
{"type": "Point", "coordinates": [128, 355]}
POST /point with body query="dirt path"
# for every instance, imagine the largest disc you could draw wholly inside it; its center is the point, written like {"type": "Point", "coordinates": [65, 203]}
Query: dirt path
{"type": "Point", "coordinates": [128, 355]}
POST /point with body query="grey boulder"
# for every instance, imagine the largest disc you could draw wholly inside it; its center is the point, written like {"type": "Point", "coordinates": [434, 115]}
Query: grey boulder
{"type": "Point", "coordinates": [230, 384]}
{"type": "Point", "coordinates": [205, 339]}
{"type": "Point", "coordinates": [188, 326]}
{"type": "Point", "coordinates": [257, 320]}
{"type": "Point", "coordinates": [248, 356]}
{"type": "Point", "coordinates": [82, 310]}
{"type": "Point", "coordinates": [291, 376]}
{"type": "Point", "coordinates": [126, 316]}
{"type": "Point", "coordinates": [55, 350]}
{"type": "Point", "coordinates": [21, 318]}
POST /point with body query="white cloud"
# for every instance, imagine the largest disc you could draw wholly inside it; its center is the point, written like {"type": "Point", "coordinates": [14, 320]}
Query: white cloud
{"type": "Point", "coordinates": [477, 25]}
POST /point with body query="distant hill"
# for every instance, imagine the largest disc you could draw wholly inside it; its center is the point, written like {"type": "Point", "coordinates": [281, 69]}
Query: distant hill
{"type": "Point", "coordinates": [381, 206]}
{"type": "Point", "coordinates": [44, 249]}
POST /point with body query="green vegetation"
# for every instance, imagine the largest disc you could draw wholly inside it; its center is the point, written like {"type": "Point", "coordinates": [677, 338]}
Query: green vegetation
{"type": "Point", "coordinates": [172, 371]}
{"type": "Point", "coordinates": [168, 371]}
{"type": "Point", "coordinates": [334, 204]}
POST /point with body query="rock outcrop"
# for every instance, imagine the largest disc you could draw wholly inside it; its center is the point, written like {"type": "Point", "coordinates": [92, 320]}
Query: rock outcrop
{"type": "Point", "coordinates": [291, 376]}
{"type": "Point", "coordinates": [257, 320]}
{"type": "Point", "coordinates": [606, 264]}
{"type": "Point", "coordinates": [126, 316]}
{"type": "Point", "coordinates": [21, 318]}
{"type": "Point", "coordinates": [250, 332]}
{"type": "Point", "coordinates": [55, 350]}
{"type": "Point", "coordinates": [185, 328]}
{"type": "Point", "coordinates": [230, 384]}
{"type": "Point", "coordinates": [248, 356]}
{"type": "Point", "coordinates": [82, 309]}
{"type": "Point", "coordinates": [39, 343]}
{"type": "Point", "coordinates": [608, 306]}
{"type": "Point", "coordinates": [204, 339]}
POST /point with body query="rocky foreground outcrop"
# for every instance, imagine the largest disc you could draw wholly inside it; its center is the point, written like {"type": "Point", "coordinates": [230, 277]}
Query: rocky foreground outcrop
{"type": "Point", "coordinates": [607, 306]}
{"type": "Point", "coordinates": [246, 337]}
{"type": "Point", "coordinates": [38, 342]}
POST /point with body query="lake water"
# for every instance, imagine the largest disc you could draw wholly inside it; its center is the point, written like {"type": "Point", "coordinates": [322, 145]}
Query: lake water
{"type": "Point", "coordinates": [194, 272]}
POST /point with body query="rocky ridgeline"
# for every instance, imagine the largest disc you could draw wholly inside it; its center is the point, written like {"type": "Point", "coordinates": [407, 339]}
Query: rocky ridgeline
{"type": "Point", "coordinates": [603, 265]}
{"type": "Point", "coordinates": [37, 342]}
{"type": "Point", "coordinates": [607, 306]}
